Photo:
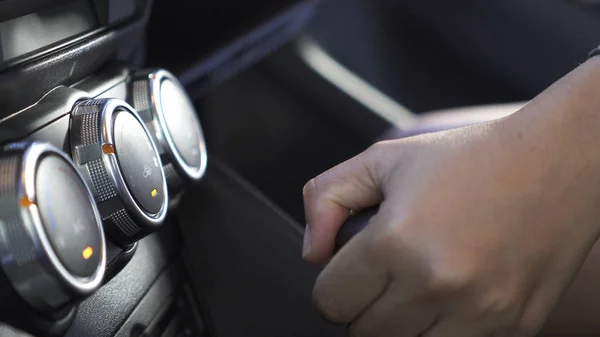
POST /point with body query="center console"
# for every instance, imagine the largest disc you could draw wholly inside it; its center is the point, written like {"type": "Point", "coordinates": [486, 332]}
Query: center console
{"type": "Point", "coordinates": [100, 241]}
{"type": "Point", "coordinates": [82, 190]}
{"type": "Point", "coordinates": [114, 221]}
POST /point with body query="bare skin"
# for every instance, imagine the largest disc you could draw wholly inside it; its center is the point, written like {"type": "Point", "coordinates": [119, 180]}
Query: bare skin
{"type": "Point", "coordinates": [576, 313]}
{"type": "Point", "coordinates": [481, 229]}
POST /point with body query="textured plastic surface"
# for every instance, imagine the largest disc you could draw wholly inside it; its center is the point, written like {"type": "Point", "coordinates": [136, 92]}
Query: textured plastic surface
{"type": "Point", "coordinates": [156, 300]}
{"type": "Point", "coordinates": [55, 104]}
{"type": "Point", "coordinates": [105, 311]}
{"type": "Point", "coordinates": [105, 81]}
{"type": "Point", "coordinates": [23, 322]}
{"type": "Point", "coordinates": [167, 309]}
{"type": "Point", "coordinates": [48, 118]}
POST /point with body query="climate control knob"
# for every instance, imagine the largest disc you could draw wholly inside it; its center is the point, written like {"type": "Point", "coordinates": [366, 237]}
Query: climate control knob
{"type": "Point", "coordinates": [165, 107]}
{"type": "Point", "coordinates": [52, 246]}
{"type": "Point", "coordinates": [116, 154]}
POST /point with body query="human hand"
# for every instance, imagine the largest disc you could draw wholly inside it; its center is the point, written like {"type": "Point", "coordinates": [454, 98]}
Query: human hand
{"type": "Point", "coordinates": [479, 232]}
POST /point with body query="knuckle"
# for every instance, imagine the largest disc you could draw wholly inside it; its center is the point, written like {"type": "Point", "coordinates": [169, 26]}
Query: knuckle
{"type": "Point", "coordinates": [387, 241]}
{"type": "Point", "coordinates": [449, 279]}
{"type": "Point", "coordinates": [310, 189]}
{"type": "Point", "coordinates": [318, 187]}
{"type": "Point", "coordinates": [376, 148]}
{"type": "Point", "coordinates": [380, 147]}
{"type": "Point", "coordinates": [377, 155]}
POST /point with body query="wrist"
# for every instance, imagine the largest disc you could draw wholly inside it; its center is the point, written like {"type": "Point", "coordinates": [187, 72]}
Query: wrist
{"type": "Point", "coordinates": [559, 132]}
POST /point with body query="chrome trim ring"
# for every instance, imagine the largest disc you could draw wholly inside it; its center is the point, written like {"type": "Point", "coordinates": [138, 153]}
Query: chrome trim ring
{"type": "Point", "coordinates": [146, 98]}
{"type": "Point", "coordinates": [27, 257]}
{"type": "Point", "coordinates": [92, 138]}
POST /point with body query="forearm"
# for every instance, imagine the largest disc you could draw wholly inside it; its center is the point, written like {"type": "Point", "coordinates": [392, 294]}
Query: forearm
{"type": "Point", "coordinates": [556, 141]}
{"type": "Point", "coordinates": [565, 117]}
{"type": "Point", "coordinates": [562, 127]}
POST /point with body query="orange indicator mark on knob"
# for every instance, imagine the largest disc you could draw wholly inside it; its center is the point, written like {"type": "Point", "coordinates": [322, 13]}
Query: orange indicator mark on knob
{"type": "Point", "coordinates": [25, 202]}
{"type": "Point", "coordinates": [108, 148]}
{"type": "Point", "coordinates": [87, 252]}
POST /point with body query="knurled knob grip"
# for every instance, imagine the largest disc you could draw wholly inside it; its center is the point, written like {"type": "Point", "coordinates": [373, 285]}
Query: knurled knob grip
{"type": "Point", "coordinates": [115, 152]}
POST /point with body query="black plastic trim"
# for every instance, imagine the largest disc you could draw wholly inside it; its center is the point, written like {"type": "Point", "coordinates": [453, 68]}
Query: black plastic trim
{"type": "Point", "coordinates": [68, 64]}
{"type": "Point", "coordinates": [48, 119]}
{"type": "Point", "coordinates": [103, 313]}
{"type": "Point", "coordinates": [245, 261]}
{"type": "Point", "coordinates": [159, 296]}
{"type": "Point", "coordinates": [106, 79]}
{"type": "Point", "coordinates": [54, 105]}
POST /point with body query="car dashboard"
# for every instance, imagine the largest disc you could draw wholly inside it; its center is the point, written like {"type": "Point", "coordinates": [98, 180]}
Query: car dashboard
{"type": "Point", "coordinates": [101, 147]}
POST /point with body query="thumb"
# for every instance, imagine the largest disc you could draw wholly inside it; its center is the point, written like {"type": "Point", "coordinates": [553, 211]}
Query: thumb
{"type": "Point", "coordinates": [330, 197]}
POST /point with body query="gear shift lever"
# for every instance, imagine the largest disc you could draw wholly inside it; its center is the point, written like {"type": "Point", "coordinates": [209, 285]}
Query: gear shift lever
{"type": "Point", "coordinates": [354, 225]}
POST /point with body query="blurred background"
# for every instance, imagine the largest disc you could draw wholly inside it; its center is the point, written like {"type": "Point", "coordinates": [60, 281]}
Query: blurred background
{"type": "Point", "coordinates": [362, 67]}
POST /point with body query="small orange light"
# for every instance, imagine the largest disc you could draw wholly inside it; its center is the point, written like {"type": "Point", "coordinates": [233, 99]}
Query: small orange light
{"type": "Point", "coordinates": [154, 193]}
{"type": "Point", "coordinates": [108, 148]}
{"type": "Point", "coordinates": [25, 202]}
{"type": "Point", "coordinates": [87, 252]}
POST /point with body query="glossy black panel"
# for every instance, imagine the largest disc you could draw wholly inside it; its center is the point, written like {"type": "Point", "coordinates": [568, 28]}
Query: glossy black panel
{"type": "Point", "coordinates": [246, 261]}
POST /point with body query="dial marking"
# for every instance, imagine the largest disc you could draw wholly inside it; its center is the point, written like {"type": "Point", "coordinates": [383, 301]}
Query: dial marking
{"type": "Point", "coordinates": [147, 171]}
{"type": "Point", "coordinates": [87, 252]}
{"type": "Point", "coordinates": [108, 148]}
{"type": "Point", "coordinates": [25, 202]}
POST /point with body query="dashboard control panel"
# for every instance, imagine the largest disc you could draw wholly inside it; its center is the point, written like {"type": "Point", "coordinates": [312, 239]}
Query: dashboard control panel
{"type": "Point", "coordinates": [77, 193]}
{"type": "Point", "coordinates": [113, 149]}
{"type": "Point", "coordinates": [50, 253]}
{"type": "Point", "coordinates": [165, 107]}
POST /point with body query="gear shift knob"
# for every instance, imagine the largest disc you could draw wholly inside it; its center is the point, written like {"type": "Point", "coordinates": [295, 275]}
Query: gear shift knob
{"type": "Point", "coordinates": [354, 225]}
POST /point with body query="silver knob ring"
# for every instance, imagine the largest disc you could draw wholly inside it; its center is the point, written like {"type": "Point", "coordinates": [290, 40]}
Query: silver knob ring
{"type": "Point", "coordinates": [27, 257]}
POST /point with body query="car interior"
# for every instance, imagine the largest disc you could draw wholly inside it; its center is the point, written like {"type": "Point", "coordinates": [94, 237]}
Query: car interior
{"type": "Point", "coordinates": [153, 152]}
